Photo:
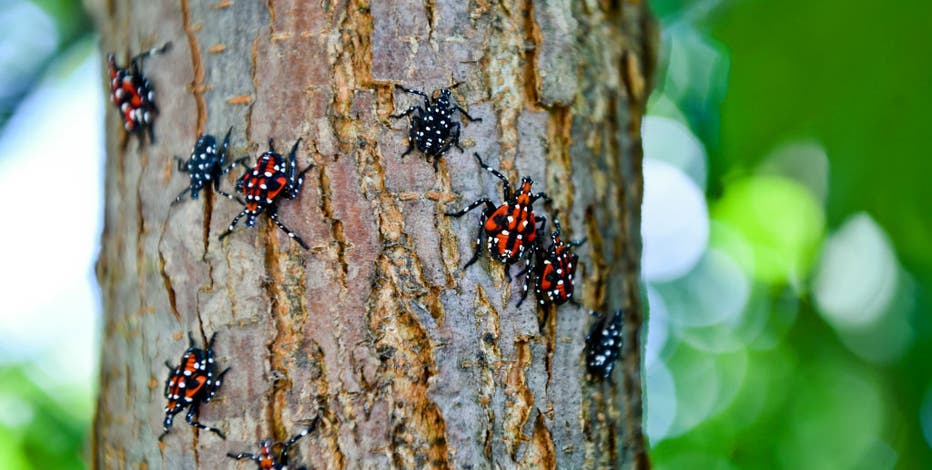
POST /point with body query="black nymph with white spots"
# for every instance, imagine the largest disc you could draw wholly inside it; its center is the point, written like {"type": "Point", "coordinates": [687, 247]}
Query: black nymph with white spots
{"type": "Point", "coordinates": [193, 382]}
{"type": "Point", "coordinates": [205, 166]}
{"type": "Point", "coordinates": [433, 130]}
{"type": "Point", "coordinates": [603, 345]}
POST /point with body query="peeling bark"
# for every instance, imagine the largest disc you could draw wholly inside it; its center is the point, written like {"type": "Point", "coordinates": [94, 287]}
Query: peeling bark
{"type": "Point", "coordinates": [411, 361]}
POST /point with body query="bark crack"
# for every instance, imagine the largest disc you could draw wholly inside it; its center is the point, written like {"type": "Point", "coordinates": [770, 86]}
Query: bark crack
{"type": "Point", "coordinates": [277, 311]}
{"type": "Point", "coordinates": [532, 74]}
{"type": "Point", "coordinates": [418, 428]}
{"type": "Point", "coordinates": [166, 279]}
{"type": "Point", "coordinates": [141, 233]}
{"type": "Point", "coordinates": [208, 211]}
{"type": "Point", "coordinates": [197, 83]}
{"type": "Point", "coordinates": [430, 11]}
{"type": "Point", "coordinates": [336, 225]}
{"type": "Point", "coordinates": [489, 326]}
{"type": "Point", "coordinates": [520, 400]}
{"type": "Point", "coordinates": [255, 84]}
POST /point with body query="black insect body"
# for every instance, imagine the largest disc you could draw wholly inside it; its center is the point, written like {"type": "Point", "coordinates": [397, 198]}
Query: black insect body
{"type": "Point", "coordinates": [554, 270]}
{"type": "Point", "coordinates": [433, 130]}
{"type": "Point", "coordinates": [205, 166]}
{"type": "Point", "coordinates": [272, 178]}
{"type": "Point", "coordinates": [511, 228]}
{"type": "Point", "coordinates": [133, 94]}
{"type": "Point", "coordinates": [266, 458]}
{"type": "Point", "coordinates": [603, 345]}
{"type": "Point", "coordinates": [193, 382]}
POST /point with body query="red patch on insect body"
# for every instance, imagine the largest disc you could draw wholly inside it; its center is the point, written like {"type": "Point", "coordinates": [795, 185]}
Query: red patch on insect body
{"type": "Point", "coordinates": [192, 382]}
{"type": "Point", "coordinates": [511, 227]}
{"type": "Point", "coordinates": [556, 271]}
{"type": "Point", "coordinates": [510, 231]}
{"type": "Point", "coordinates": [265, 182]}
{"type": "Point", "coordinates": [132, 94]}
{"type": "Point", "coordinates": [270, 179]}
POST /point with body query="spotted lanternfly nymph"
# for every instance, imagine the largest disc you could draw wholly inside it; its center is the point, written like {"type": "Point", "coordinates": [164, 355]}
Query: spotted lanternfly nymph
{"type": "Point", "coordinates": [266, 458]}
{"type": "Point", "coordinates": [205, 166]}
{"type": "Point", "coordinates": [192, 383]}
{"type": "Point", "coordinates": [553, 272]}
{"type": "Point", "coordinates": [132, 93]}
{"type": "Point", "coordinates": [603, 345]}
{"type": "Point", "coordinates": [272, 178]}
{"type": "Point", "coordinates": [511, 227]}
{"type": "Point", "coordinates": [433, 130]}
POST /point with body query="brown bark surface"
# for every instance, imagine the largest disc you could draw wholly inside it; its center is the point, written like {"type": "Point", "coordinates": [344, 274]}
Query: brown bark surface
{"type": "Point", "coordinates": [411, 361]}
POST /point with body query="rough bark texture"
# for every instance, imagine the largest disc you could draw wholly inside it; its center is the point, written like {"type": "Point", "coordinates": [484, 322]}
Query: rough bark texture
{"type": "Point", "coordinates": [411, 361]}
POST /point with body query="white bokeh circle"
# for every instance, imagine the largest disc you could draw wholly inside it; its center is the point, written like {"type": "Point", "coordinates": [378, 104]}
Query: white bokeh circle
{"type": "Point", "coordinates": [674, 223]}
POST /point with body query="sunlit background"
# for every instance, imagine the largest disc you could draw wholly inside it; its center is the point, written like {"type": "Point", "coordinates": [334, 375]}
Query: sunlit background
{"type": "Point", "coordinates": [787, 234]}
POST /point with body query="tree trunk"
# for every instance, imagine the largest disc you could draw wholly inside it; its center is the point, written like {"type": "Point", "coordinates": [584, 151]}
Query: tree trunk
{"type": "Point", "coordinates": [411, 360]}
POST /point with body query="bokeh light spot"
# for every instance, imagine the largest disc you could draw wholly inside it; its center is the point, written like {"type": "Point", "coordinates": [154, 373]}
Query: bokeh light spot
{"type": "Point", "coordinates": [857, 273]}
{"type": "Point", "coordinates": [675, 223]}
{"type": "Point", "coordinates": [670, 141]}
{"type": "Point", "coordinates": [716, 290]}
{"type": "Point", "coordinates": [657, 328]}
{"type": "Point", "coordinates": [781, 220]}
{"type": "Point", "coordinates": [803, 161]}
{"type": "Point", "coordinates": [661, 402]}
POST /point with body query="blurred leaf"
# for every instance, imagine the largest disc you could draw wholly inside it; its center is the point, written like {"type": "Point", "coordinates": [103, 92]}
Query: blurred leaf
{"type": "Point", "coordinates": [49, 435]}
{"type": "Point", "coordinates": [780, 219]}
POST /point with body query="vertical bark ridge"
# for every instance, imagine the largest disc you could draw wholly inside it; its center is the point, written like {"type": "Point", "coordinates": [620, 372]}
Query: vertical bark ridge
{"type": "Point", "coordinates": [418, 435]}
{"type": "Point", "coordinates": [520, 400]}
{"type": "Point", "coordinates": [488, 363]}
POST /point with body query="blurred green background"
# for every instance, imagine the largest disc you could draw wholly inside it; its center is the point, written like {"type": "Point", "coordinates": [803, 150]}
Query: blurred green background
{"type": "Point", "coordinates": [788, 236]}
{"type": "Point", "coordinates": [800, 337]}
{"type": "Point", "coordinates": [51, 104]}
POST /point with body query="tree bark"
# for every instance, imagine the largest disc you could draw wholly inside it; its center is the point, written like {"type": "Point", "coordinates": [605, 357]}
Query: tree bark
{"type": "Point", "coordinates": [410, 360]}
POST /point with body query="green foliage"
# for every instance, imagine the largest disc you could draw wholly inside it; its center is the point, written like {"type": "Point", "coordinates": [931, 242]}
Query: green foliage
{"type": "Point", "coordinates": [41, 426]}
